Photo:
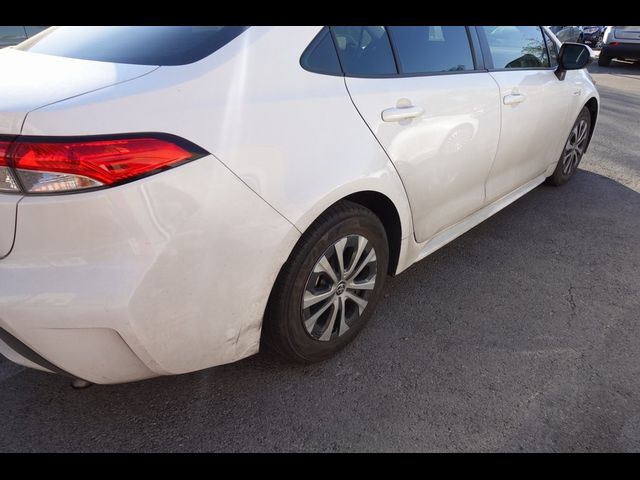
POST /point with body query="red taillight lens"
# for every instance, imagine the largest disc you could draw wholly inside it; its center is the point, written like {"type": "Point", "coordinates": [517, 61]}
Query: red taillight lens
{"type": "Point", "coordinates": [4, 146]}
{"type": "Point", "coordinates": [615, 44]}
{"type": "Point", "coordinates": [57, 166]}
{"type": "Point", "coordinates": [7, 181]}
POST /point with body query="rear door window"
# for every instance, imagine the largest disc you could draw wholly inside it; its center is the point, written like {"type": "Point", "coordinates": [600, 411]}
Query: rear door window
{"type": "Point", "coordinates": [321, 56]}
{"type": "Point", "coordinates": [364, 51]}
{"type": "Point", "coordinates": [516, 47]}
{"type": "Point", "coordinates": [146, 45]}
{"type": "Point", "coordinates": [432, 49]}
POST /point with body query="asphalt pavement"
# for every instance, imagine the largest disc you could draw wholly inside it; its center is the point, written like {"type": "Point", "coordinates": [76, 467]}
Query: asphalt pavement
{"type": "Point", "coordinates": [523, 334]}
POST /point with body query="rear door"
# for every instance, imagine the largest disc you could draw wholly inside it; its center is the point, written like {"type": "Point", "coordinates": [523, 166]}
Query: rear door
{"type": "Point", "coordinates": [433, 109]}
{"type": "Point", "coordinates": [535, 104]}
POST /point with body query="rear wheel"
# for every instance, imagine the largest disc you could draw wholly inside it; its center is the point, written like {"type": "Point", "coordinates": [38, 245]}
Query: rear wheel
{"type": "Point", "coordinates": [329, 286]}
{"type": "Point", "coordinates": [604, 61]}
{"type": "Point", "coordinates": [573, 149]}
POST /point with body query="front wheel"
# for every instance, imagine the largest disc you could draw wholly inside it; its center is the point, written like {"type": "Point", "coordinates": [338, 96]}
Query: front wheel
{"type": "Point", "coordinates": [573, 149]}
{"type": "Point", "coordinates": [329, 286]}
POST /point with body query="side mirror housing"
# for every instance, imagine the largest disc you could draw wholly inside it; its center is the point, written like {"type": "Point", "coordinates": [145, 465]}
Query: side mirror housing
{"type": "Point", "coordinates": [573, 56]}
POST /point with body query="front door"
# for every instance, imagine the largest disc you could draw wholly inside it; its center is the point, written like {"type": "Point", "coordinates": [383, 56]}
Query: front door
{"type": "Point", "coordinates": [534, 102]}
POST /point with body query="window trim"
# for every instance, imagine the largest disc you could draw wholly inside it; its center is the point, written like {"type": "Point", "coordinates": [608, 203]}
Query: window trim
{"type": "Point", "coordinates": [486, 51]}
{"type": "Point", "coordinates": [476, 48]}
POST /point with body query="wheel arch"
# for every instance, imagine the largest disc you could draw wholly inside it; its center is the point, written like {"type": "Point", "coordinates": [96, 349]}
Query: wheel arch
{"type": "Point", "coordinates": [593, 107]}
{"type": "Point", "coordinates": [382, 206]}
{"type": "Point", "coordinates": [386, 211]}
{"type": "Point", "coordinates": [395, 218]}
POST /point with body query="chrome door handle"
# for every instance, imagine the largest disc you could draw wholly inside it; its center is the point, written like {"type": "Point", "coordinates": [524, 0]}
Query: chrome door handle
{"type": "Point", "coordinates": [514, 98]}
{"type": "Point", "coordinates": [401, 113]}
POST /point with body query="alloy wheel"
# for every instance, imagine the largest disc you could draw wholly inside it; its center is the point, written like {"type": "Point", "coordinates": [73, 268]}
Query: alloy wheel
{"type": "Point", "coordinates": [339, 287]}
{"type": "Point", "coordinates": [575, 147]}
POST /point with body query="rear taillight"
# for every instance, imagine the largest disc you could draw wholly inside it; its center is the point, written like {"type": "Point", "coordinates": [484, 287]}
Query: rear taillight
{"type": "Point", "coordinates": [7, 180]}
{"type": "Point", "coordinates": [46, 165]}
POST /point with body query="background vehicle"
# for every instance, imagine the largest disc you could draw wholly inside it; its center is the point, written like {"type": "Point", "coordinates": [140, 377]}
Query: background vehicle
{"type": "Point", "coordinates": [12, 35]}
{"type": "Point", "coordinates": [568, 33]}
{"type": "Point", "coordinates": [622, 43]}
{"type": "Point", "coordinates": [593, 35]}
{"type": "Point", "coordinates": [171, 198]}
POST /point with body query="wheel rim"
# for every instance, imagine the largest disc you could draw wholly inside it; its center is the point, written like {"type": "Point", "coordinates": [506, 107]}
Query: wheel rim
{"type": "Point", "coordinates": [575, 147]}
{"type": "Point", "coordinates": [339, 287]}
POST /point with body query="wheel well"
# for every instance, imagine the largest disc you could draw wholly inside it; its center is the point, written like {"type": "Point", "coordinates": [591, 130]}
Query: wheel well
{"type": "Point", "coordinates": [592, 105]}
{"type": "Point", "coordinates": [386, 211]}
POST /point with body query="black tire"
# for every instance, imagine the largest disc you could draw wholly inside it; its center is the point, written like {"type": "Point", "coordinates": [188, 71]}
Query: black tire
{"type": "Point", "coordinates": [564, 171]}
{"type": "Point", "coordinates": [283, 330]}
{"type": "Point", "coordinates": [604, 61]}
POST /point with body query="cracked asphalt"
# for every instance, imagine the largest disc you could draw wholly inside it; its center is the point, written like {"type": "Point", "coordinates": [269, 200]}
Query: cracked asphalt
{"type": "Point", "coordinates": [523, 334]}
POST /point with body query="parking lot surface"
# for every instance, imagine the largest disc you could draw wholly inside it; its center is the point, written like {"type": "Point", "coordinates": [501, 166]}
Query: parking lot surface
{"type": "Point", "coordinates": [523, 334]}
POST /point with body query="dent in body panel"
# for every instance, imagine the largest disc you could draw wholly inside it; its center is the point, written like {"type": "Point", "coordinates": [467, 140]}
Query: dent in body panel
{"type": "Point", "coordinates": [170, 262]}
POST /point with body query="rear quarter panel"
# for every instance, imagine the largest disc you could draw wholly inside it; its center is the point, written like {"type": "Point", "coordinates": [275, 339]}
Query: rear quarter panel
{"type": "Point", "coordinates": [292, 136]}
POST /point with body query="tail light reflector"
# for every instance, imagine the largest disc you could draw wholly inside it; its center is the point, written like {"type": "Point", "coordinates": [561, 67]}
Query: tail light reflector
{"type": "Point", "coordinates": [7, 181]}
{"type": "Point", "coordinates": [67, 165]}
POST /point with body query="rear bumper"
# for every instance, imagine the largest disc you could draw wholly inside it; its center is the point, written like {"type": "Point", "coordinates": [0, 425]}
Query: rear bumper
{"type": "Point", "coordinates": [623, 50]}
{"type": "Point", "coordinates": [165, 275]}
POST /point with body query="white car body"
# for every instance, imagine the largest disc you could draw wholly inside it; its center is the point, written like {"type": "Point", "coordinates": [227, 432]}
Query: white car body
{"type": "Point", "coordinates": [172, 273]}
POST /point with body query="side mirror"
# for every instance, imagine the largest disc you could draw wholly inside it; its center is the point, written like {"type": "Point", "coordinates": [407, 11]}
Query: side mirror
{"type": "Point", "coordinates": [572, 56]}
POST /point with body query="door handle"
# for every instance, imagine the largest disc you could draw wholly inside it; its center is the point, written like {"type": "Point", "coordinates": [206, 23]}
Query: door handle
{"type": "Point", "coordinates": [514, 98]}
{"type": "Point", "coordinates": [401, 113]}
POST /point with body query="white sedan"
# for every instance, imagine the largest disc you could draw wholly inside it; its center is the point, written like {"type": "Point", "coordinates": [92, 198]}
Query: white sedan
{"type": "Point", "coordinates": [171, 198]}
